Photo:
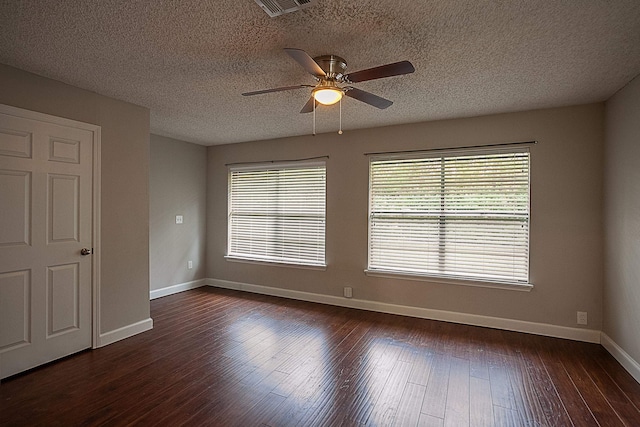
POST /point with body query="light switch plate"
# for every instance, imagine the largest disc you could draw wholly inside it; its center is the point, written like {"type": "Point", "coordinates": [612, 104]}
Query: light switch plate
{"type": "Point", "coordinates": [178, 219]}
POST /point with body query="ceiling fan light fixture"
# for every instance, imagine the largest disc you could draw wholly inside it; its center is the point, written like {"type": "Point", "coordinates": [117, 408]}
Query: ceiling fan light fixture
{"type": "Point", "coordinates": [327, 95]}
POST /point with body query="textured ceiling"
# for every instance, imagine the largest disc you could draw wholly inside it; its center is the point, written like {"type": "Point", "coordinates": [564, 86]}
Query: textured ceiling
{"type": "Point", "coordinates": [188, 61]}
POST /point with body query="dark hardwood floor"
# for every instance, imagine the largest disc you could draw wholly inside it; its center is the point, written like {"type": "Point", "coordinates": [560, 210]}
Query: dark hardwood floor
{"type": "Point", "coordinates": [220, 357]}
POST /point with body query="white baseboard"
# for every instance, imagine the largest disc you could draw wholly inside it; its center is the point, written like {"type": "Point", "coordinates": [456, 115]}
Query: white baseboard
{"type": "Point", "coordinates": [631, 365]}
{"type": "Point", "coordinates": [174, 289]}
{"type": "Point", "coordinates": [124, 332]}
{"type": "Point", "coordinates": [577, 334]}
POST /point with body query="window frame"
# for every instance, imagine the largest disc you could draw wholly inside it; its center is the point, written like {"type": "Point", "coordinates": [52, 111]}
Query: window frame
{"type": "Point", "coordinates": [276, 166]}
{"type": "Point", "coordinates": [520, 285]}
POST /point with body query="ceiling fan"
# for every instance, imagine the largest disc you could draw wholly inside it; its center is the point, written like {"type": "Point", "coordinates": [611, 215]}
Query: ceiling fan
{"type": "Point", "coordinates": [333, 82]}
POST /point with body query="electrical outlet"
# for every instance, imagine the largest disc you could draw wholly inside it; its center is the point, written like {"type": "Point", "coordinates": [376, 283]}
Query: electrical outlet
{"type": "Point", "coordinates": [179, 219]}
{"type": "Point", "coordinates": [189, 265]}
{"type": "Point", "coordinates": [348, 292]}
{"type": "Point", "coordinates": [582, 317]}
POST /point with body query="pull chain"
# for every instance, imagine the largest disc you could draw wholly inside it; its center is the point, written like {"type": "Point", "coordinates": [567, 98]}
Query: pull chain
{"type": "Point", "coordinates": [314, 118]}
{"type": "Point", "coordinates": [340, 130]}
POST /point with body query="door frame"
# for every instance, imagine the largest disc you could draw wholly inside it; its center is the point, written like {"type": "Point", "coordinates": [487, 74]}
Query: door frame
{"type": "Point", "coordinates": [95, 203]}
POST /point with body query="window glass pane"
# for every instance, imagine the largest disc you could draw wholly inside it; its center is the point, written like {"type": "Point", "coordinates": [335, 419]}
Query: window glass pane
{"type": "Point", "coordinates": [278, 213]}
{"type": "Point", "coordinates": [454, 215]}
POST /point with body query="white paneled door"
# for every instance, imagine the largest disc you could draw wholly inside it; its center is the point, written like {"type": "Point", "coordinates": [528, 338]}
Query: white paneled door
{"type": "Point", "coordinates": [46, 220]}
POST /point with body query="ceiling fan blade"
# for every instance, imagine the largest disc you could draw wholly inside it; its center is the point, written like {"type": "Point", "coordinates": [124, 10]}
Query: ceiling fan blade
{"type": "Point", "coordinates": [389, 70]}
{"type": "Point", "coordinates": [368, 98]}
{"type": "Point", "coordinates": [306, 61]}
{"type": "Point", "coordinates": [277, 89]}
{"type": "Point", "coordinates": [308, 107]}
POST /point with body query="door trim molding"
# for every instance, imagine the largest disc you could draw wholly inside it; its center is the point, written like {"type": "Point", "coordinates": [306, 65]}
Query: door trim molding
{"type": "Point", "coordinates": [96, 190]}
{"type": "Point", "coordinates": [97, 253]}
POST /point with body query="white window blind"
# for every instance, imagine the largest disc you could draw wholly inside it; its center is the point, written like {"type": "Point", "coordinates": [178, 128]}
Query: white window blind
{"type": "Point", "coordinates": [277, 213]}
{"type": "Point", "coordinates": [458, 215]}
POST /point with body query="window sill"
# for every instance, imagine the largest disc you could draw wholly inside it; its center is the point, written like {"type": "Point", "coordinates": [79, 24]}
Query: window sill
{"type": "Point", "coordinates": [321, 267]}
{"type": "Point", "coordinates": [512, 286]}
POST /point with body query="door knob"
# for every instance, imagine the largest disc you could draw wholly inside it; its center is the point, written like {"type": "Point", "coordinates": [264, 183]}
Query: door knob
{"type": "Point", "coordinates": [85, 251]}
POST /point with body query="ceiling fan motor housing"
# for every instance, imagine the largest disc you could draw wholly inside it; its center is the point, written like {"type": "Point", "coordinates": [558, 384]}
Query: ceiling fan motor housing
{"type": "Point", "coordinates": [334, 66]}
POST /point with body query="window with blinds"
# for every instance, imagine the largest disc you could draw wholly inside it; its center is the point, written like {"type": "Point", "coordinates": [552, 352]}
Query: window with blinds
{"type": "Point", "coordinates": [277, 213]}
{"type": "Point", "coordinates": [462, 215]}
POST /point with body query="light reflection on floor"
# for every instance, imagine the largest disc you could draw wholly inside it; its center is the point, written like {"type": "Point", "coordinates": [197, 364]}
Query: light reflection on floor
{"type": "Point", "coordinates": [291, 360]}
{"type": "Point", "coordinates": [263, 346]}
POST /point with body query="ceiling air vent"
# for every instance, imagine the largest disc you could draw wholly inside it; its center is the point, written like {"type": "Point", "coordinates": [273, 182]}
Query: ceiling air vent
{"type": "Point", "coordinates": [280, 7]}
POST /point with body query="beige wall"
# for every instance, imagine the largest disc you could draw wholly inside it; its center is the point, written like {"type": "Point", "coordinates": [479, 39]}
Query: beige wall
{"type": "Point", "coordinates": [566, 214]}
{"type": "Point", "coordinates": [622, 219]}
{"type": "Point", "coordinates": [125, 197]}
{"type": "Point", "coordinates": [178, 182]}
